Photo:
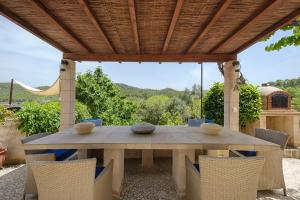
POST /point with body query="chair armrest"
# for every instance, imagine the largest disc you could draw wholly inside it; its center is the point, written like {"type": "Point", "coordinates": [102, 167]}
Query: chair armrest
{"type": "Point", "coordinates": [236, 153]}
{"type": "Point", "coordinates": [103, 183]}
{"type": "Point", "coordinates": [74, 156]}
{"type": "Point", "coordinates": [192, 181]}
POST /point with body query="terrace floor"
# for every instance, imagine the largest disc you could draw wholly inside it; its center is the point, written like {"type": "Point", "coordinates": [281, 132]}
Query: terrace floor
{"type": "Point", "coordinates": [151, 184]}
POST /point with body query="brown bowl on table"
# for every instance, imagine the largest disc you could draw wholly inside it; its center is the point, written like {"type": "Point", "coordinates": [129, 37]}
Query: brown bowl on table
{"type": "Point", "coordinates": [84, 128]}
{"type": "Point", "coordinates": [211, 129]}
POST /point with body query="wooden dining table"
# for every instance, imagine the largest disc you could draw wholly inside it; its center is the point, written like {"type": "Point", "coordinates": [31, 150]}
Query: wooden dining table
{"type": "Point", "coordinates": [183, 141]}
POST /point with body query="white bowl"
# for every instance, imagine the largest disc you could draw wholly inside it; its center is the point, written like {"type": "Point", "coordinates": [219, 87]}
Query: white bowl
{"type": "Point", "coordinates": [84, 127]}
{"type": "Point", "coordinates": [211, 129]}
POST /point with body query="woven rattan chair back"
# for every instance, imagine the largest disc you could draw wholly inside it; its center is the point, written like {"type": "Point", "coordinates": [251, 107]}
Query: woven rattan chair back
{"type": "Point", "coordinates": [229, 178]}
{"type": "Point", "coordinates": [273, 136]}
{"type": "Point", "coordinates": [65, 180]}
{"type": "Point", "coordinates": [30, 185]}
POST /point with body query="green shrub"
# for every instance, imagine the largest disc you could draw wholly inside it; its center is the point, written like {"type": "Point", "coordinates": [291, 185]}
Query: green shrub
{"type": "Point", "coordinates": [4, 113]}
{"type": "Point", "coordinates": [37, 118]}
{"type": "Point", "coordinates": [250, 104]}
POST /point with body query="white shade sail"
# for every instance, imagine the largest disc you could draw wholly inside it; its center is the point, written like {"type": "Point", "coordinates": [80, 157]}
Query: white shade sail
{"type": "Point", "coordinates": [51, 91]}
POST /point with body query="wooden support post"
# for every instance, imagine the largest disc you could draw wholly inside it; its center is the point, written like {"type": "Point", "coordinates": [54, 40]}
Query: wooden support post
{"type": "Point", "coordinates": [11, 91]}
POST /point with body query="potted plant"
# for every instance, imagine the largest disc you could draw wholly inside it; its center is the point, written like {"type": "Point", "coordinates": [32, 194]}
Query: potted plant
{"type": "Point", "coordinates": [3, 151]}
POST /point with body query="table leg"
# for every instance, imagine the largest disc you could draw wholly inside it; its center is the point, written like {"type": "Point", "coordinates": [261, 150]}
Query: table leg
{"type": "Point", "coordinates": [117, 155]}
{"type": "Point", "coordinates": [178, 169]}
{"type": "Point", "coordinates": [82, 153]}
{"type": "Point", "coordinates": [147, 158]}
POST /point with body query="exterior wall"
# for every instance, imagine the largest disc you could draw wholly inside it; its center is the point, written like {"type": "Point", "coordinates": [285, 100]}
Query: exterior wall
{"type": "Point", "coordinates": [67, 94]}
{"type": "Point", "coordinates": [250, 128]}
{"type": "Point", "coordinates": [286, 123]}
{"type": "Point", "coordinates": [11, 137]}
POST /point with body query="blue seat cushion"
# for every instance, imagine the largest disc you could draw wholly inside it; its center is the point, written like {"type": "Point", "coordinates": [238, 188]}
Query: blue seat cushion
{"type": "Point", "coordinates": [248, 153]}
{"type": "Point", "coordinates": [61, 154]}
{"type": "Point", "coordinates": [195, 122]}
{"type": "Point", "coordinates": [96, 121]}
{"type": "Point", "coordinates": [209, 121]}
{"type": "Point", "coordinates": [197, 166]}
{"type": "Point", "coordinates": [98, 170]}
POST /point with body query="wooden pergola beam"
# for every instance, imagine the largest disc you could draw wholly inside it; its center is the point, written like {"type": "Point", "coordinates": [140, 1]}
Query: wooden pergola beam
{"type": "Point", "coordinates": [42, 8]}
{"type": "Point", "coordinates": [222, 8]}
{"type": "Point", "coordinates": [91, 16]}
{"type": "Point", "coordinates": [172, 24]}
{"type": "Point", "coordinates": [131, 6]}
{"type": "Point", "coordinates": [250, 22]}
{"type": "Point", "coordinates": [286, 20]}
{"type": "Point", "coordinates": [150, 57]}
{"type": "Point", "coordinates": [25, 25]}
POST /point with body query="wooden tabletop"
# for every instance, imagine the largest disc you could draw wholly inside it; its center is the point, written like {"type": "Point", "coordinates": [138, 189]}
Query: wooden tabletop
{"type": "Point", "coordinates": [164, 137]}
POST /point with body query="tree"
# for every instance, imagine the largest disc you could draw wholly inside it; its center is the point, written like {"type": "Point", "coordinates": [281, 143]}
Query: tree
{"type": "Point", "coordinates": [103, 98]}
{"type": "Point", "coordinates": [153, 108]}
{"type": "Point", "coordinates": [162, 110]}
{"type": "Point", "coordinates": [250, 104]}
{"type": "Point", "coordinates": [196, 108]}
{"type": "Point", "coordinates": [291, 40]}
{"type": "Point", "coordinates": [214, 103]}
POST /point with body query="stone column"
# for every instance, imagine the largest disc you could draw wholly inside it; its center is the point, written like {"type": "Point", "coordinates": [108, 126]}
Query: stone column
{"type": "Point", "coordinates": [147, 158]}
{"type": "Point", "coordinates": [231, 97]}
{"type": "Point", "coordinates": [178, 168]}
{"type": "Point", "coordinates": [117, 155]}
{"type": "Point", "coordinates": [67, 93]}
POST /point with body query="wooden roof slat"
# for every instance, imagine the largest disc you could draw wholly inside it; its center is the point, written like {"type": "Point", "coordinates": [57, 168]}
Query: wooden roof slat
{"type": "Point", "coordinates": [269, 30]}
{"type": "Point", "coordinates": [132, 13]}
{"type": "Point", "coordinates": [222, 8]}
{"type": "Point", "coordinates": [25, 25]}
{"type": "Point", "coordinates": [250, 22]}
{"type": "Point", "coordinates": [151, 57]}
{"type": "Point", "coordinates": [153, 31]}
{"type": "Point", "coordinates": [172, 24]}
{"type": "Point", "coordinates": [41, 7]}
{"type": "Point", "coordinates": [91, 16]}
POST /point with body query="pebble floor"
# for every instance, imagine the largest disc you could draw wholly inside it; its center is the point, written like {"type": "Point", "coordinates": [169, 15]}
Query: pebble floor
{"type": "Point", "coordinates": [150, 184]}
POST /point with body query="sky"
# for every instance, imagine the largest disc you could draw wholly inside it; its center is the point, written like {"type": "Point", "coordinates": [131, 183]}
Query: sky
{"type": "Point", "coordinates": [30, 60]}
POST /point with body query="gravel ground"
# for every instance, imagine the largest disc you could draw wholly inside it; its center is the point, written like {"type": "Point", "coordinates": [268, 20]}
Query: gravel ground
{"type": "Point", "coordinates": [151, 184]}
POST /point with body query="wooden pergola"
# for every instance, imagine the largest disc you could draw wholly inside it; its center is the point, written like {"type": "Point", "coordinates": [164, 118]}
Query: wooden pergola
{"type": "Point", "coordinates": [152, 30]}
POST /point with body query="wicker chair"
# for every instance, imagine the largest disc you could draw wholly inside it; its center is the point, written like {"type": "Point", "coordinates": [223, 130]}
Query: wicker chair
{"type": "Point", "coordinates": [223, 178]}
{"type": "Point", "coordinates": [272, 173]}
{"type": "Point", "coordinates": [30, 185]}
{"type": "Point", "coordinates": [60, 154]}
{"type": "Point", "coordinates": [72, 180]}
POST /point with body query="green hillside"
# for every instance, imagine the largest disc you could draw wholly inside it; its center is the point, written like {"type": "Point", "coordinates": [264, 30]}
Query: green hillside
{"type": "Point", "coordinates": [134, 92]}
{"type": "Point", "coordinates": [20, 94]}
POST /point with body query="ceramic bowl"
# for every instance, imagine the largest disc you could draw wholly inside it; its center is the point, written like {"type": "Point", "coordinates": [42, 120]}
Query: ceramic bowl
{"type": "Point", "coordinates": [84, 128]}
{"type": "Point", "coordinates": [211, 129]}
{"type": "Point", "coordinates": [143, 128]}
